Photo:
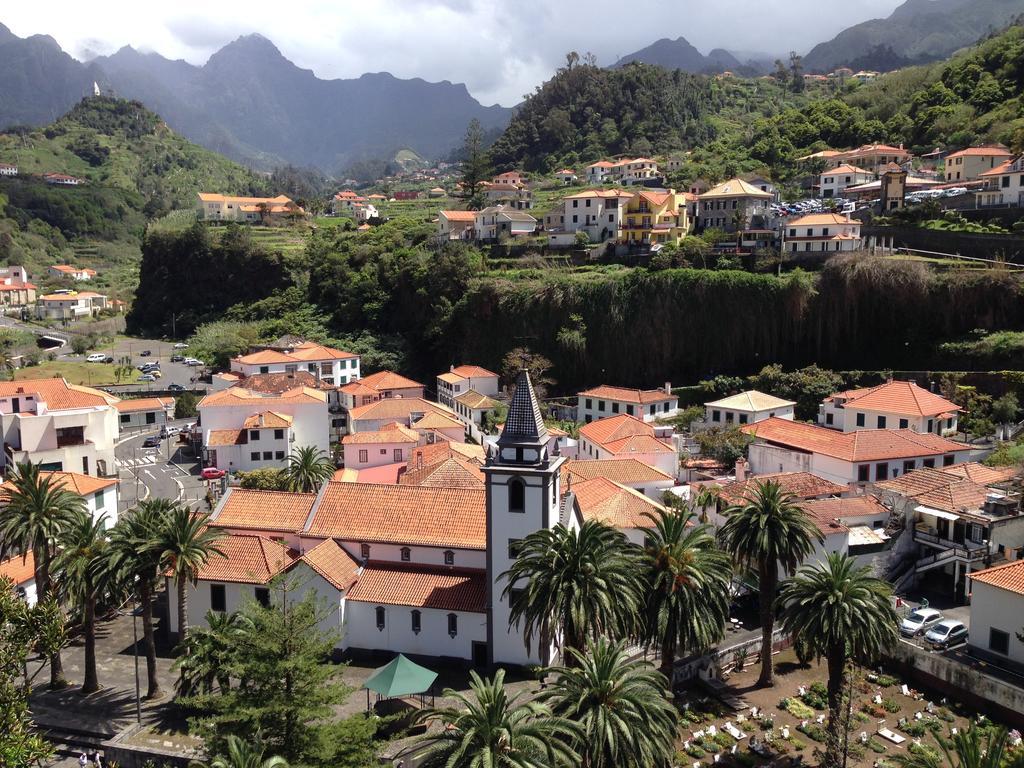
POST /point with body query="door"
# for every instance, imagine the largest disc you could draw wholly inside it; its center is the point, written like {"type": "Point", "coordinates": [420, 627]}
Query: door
{"type": "Point", "coordinates": [480, 655]}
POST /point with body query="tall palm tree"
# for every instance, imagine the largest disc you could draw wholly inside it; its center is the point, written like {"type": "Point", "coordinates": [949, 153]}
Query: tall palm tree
{"type": "Point", "coordinates": [765, 532]}
{"type": "Point", "coordinates": [37, 510]}
{"type": "Point", "coordinates": [567, 586]}
{"type": "Point", "coordinates": [841, 612]}
{"type": "Point", "coordinates": [308, 468]}
{"type": "Point", "coordinates": [487, 728]}
{"type": "Point", "coordinates": [687, 579]}
{"type": "Point", "coordinates": [81, 562]}
{"type": "Point", "coordinates": [241, 754]}
{"type": "Point", "coordinates": [972, 747]}
{"type": "Point", "coordinates": [185, 543]}
{"type": "Point", "coordinates": [620, 704]}
{"type": "Point", "coordinates": [135, 560]}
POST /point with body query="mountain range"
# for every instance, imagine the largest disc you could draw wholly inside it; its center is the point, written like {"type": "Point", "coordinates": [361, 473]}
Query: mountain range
{"type": "Point", "coordinates": [681, 54]}
{"type": "Point", "coordinates": [248, 102]}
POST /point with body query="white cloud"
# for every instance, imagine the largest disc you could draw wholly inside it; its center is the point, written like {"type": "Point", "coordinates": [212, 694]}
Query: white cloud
{"type": "Point", "coordinates": [501, 51]}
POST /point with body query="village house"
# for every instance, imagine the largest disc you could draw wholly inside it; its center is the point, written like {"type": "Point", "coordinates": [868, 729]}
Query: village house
{"type": "Point", "coordinates": [873, 157]}
{"type": "Point", "coordinates": [392, 444]}
{"type": "Point", "coordinates": [630, 511]}
{"type": "Point", "coordinates": [597, 173]}
{"type": "Point", "coordinates": [245, 430]}
{"type": "Point", "coordinates": [6, 169]}
{"type": "Point", "coordinates": [471, 407]}
{"type": "Point", "coordinates": [460, 379]}
{"type": "Point", "coordinates": [997, 603]}
{"type": "Point", "coordinates": [15, 289]}
{"type": "Point", "coordinates": [746, 408]}
{"type": "Point", "coordinates": [70, 305]}
{"type": "Point", "coordinates": [514, 178]}
{"type": "Point", "coordinates": [510, 196]}
{"type": "Point", "coordinates": [346, 201]}
{"type": "Point", "coordinates": [834, 181]}
{"type": "Point", "coordinates": [819, 232]}
{"type": "Point", "coordinates": [68, 271]}
{"type": "Point", "coordinates": [62, 427]}
{"type": "Point", "coordinates": [893, 405]}
{"type": "Point", "coordinates": [781, 445]}
{"type": "Point", "coordinates": [624, 436]}
{"type": "Point", "coordinates": [253, 210]}
{"type": "Point", "coordinates": [455, 225]}
{"type": "Point", "coordinates": [1004, 185]}
{"type": "Point", "coordinates": [733, 204]}
{"type": "Point", "coordinates": [495, 222]}
{"type": "Point", "coordinates": [20, 569]}
{"type": "Point", "coordinates": [598, 213]}
{"type": "Point", "coordinates": [407, 411]}
{"type": "Point", "coordinates": [628, 472]}
{"type": "Point", "coordinates": [329, 365]}
{"type": "Point", "coordinates": [605, 400]}
{"type": "Point", "coordinates": [567, 177]}
{"type": "Point", "coordinates": [968, 164]}
{"type": "Point", "coordinates": [655, 217]}
{"type": "Point", "coordinates": [99, 494]}
{"type": "Point", "coordinates": [62, 180]}
{"type": "Point", "coordinates": [144, 412]}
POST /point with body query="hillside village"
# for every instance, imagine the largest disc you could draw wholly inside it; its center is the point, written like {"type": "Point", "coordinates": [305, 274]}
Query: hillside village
{"type": "Point", "coordinates": [394, 471]}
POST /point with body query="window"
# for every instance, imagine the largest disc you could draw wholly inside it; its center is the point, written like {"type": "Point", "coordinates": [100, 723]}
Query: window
{"type": "Point", "coordinates": [1006, 181]}
{"type": "Point", "coordinates": [863, 473]}
{"type": "Point", "coordinates": [364, 551]}
{"type": "Point", "coordinates": [453, 624]}
{"type": "Point", "coordinates": [947, 461]}
{"type": "Point", "coordinates": [279, 434]}
{"type": "Point", "coordinates": [416, 622]}
{"type": "Point", "coordinates": [615, 407]}
{"type": "Point", "coordinates": [263, 596]}
{"type": "Point", "coordinates": [513, 548]}
{"type": "Point", "coordinates": [881, 471]}
{"type": "Point", "coordinates": [829, 418]}
{"type": "Point", "coordinates": [449, 557]}
{"type": "Point", "coordinates": [792, 233]}
{"type": "Point", "coordinates": [254, 456]}
{"type": "Point", "coordinates": [364, 456]}
{"type": "Point", "coordinates": [590, 404]}
{"type": "Point", "coordinates": [264, 369]}
{"type": "Point", "coordinates": [397, 455]}
{"type": "Point", "coordinates": [743, 418]}
{"type": "Point", "coordinates": [125, 417]}
{"type": "Point", "coordinates": [383, 451]}
{"type": "Point", "coordinates": [930, 463]}
{"type": "Point", "coordinates": [904, 423]}
{"type": "Point", "coordinates": [268, 455]}
{"type": "Point", "coordinates": [716, 415]}
{"type": "Point", "coordinates": [600, 405]}
{"type": "Point", "coordinates": [881, 422]}
{"type": "Point", "coordinates": [908, 466]}
{"type": "Point", "coordinates": [218, 600]}
{"type": "Point", "coordinates": [380, 617]}
{"type": "Point", "coordinates": [998, 641]}
{"type": "Point", "coordinates": [254, 435]}
{"type": "Point", "coordinates": [824, 232]}
{"type": "Point", "coordinates": [629, 409]}
{"type": "Point", "coordinates": [930, 422]}
{"type": "Point", "coordinates": [516, 495]}
{"type": "Point", "coordinates": [575, 219]}
{"type": "Point", "coordinates": [860, 419]}
{"type": "Point", "coordinates": [406, 554]}
{"type": "Point", "coordinates": [279, 455]}
{"type": "Point", "coordinates": [151, 418]}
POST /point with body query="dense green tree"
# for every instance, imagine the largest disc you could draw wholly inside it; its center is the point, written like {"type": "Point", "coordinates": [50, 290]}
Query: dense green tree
{"type": "Point", "coordinates": [475, 166]}
{"type": "Point", "coordinates": [185, 543]}
{"type": "Point", "coordinates": [724, 444]}
{"type": "Point", "coordinates": [308, 469]}
{"type": "Point", "coordinates": [841, 612]}
{"type": "Point", "coordinates": [766, 532]}
{"type": "Point", "coordinates": [239, 753]}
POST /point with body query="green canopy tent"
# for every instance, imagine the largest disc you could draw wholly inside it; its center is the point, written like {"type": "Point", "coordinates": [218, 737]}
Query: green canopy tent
{"type": "Point", "coordinates": [399, 677]}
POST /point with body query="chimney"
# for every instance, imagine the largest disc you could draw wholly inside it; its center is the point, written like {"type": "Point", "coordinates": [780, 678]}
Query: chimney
{"type": "Point", "coordinates": [741, 469]}
{"type": "Point", "coordinates": [668, 387]}
{"type": "Point", "coordinates": [451, 368]}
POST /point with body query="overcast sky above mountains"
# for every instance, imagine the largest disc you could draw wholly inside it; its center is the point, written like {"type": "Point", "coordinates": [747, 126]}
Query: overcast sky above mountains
{"type": "Point", "coordinates": [501, 51]}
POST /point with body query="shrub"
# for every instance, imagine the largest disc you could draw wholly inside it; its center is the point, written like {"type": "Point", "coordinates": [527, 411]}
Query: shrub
{"type": "Point", "coordinates": [890, 705]}
{"type": "Point", "coordinates": [708, 745]}
{"type": "Point", "coordinates": [814, 731]}
{"type": "Point", "coordinates": [814, 699]}
{"type": "Point", "coordinates": [915, 728]}
{"type": "Point", "coordinates": [876, 746]}
{"type": "Point", "coordinates": [857, 751]}
{"type": "Point", "coordinates": [798, 744]}
{"type": "Point", "coordinates": [925, 751]}
{"type": "Point", "coordinates": [887, 681]}
{"type": "Point", "coordinates": [724, 740]}
{"type": "Point", "coordinates": [695, 752]}
{"type": "Point", "coordinates": [797, 708]}
{"type": "Point", "coordinates": [946, 715]}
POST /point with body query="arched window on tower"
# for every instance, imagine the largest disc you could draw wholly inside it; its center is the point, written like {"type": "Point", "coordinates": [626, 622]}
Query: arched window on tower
{"type": "Point", "coordinates": [516, 495]}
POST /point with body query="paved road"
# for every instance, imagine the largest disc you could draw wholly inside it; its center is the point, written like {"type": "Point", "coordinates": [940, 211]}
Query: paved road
{"type": "Point", "coordinates": [169, 471]}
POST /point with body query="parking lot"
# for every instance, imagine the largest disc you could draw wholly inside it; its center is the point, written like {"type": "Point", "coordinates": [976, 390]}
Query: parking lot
{"type": "Point", "coordinates": [159, 352]}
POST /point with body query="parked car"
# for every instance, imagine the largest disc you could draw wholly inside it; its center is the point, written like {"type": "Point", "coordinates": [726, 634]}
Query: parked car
{"type": "Point", "coordinates": [175, 388]}
{"type": "Point", "coordinates": [193, 362]}
{"type": "Point", "coordinates": [920, 620]}
{"type": "Point", "coordinates": [155, 372]}
{"type": "Point", "coordinates": [151, 442]}
{"type": "Point", "coordinates": [146, 377]}
{"type": "Point", "coordinates": [212, 473]}
{"type": "Point", "coordinates": [181, 345]}
{"type": "Point", "coordinates": [145, 353]}
{"type": "Point", "coordinates": [946, 634]}
{"type": "Point", "coordinates": [177, 358]}
{"type": "Point", "coordinates": [96, 357]}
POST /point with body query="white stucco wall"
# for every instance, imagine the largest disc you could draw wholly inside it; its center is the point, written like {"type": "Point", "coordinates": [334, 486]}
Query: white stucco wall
{"type": "Point", "coordinates": [397, 636]}
{"type": "Point", "coordinates": [992, 607]}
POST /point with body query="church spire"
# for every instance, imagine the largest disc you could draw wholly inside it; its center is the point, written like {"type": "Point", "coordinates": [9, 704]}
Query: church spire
{"type": "Point", "coordinates": [524, 424]}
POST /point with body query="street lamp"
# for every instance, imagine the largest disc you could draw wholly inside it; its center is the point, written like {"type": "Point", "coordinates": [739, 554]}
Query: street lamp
{"type": "Point", "coordinates": [135, 649]}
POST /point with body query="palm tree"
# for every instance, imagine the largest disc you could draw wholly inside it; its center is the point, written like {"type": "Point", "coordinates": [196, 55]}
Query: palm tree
{"type": "Point", "coordinates": [185, 543]}
{"type": "Point", "coordinates": [621, 705]}
{"type": "Point", "coordinates": [487, 728]}
{"type": "Point", "coordinates": [687, 580]}
{"type": "Point", "coordinates": [308, 468]}
{"type": "Point", "coordinates": [567, 586]}
{"type": "Point", "coordinates": [135, 560]}
{"type": "Point", "coordinates": [81, 563]}
{"type": "Point", "coordinates": [973, 747]}
{"type": "Point", "coordinates": [768, 530]}
{"type": "Point", "coordinates": [241, 754]}
{"type": "Point", "coordinates": [841, 612]}
{"type": "Point", "coordinates": [208, 651]}
{"type": "Point", "coordinates": [37, 510]}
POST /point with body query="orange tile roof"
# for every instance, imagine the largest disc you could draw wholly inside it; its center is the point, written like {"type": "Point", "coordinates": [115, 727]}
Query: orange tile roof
{"type": "Point", "coordinates": [475, 401]}
{"type": "Point", "coordinates": [243, 396]}
{"type": "Point", "coordinates": [822, 219]}
{"type": "Point", "coordinates": [803, 485]}
{"type": "Point", "coordinates": [445, 589]}
{"type": "Point", "coordinates": [57, 393]}
{"type": "Point", "coordinates": [144, 404]}
{"type": "Point", "coordinates": [981, 474]}
{"type": "Point", "coordinates": [401, 514]}
{"type": "Point", "coordinates": [393, 433]}
{"type": "Point", "coordinates": [844, 169]}
{"type": "Point", "coordinates": [625, 395]}
{"type": "Point", "coordinates": [435, 421]}
{"type": "Point", "coordinates": [83, 485]}
{"type": "Point", "coordinates": [616, 505]}
{"type": "Point", "coordinates": [962, 496]}
{"type": "Point", "coordinates": [276, 383]}
{"type": "Point", "coordinates": [473, 372]}
{"type": "Point", "coordinates": [453, 472]}
{"type": "Point", "coordinates": [389, 380]}
{"type": "Point", "coordinates": [902, 397]}
{"type": "Point", "coordinates": [615, 428]}
{"type": "Point", "coordinates": [330, 560]}
{"type": "Point", "coordinates": [999, 169]}
{"type": "Point", "coordinates": [829, 514]}
{"type": "Point", "coordinates": [862, 445]}
{"type": "Point", "coordinates": [431, 453]}
{"type": "Point", "coordinates": [626, 471]}
{"type": "Point", "coordinates": [981, 152]}
{"type": "Point", "coordinates": [263, 510]}
{"type": "Point", "coordinates": [247, 559]}
{"type": "Point", "coordinates": [1009, 576]}
{"type": "Point", "coordinates": [224, 437]}
{"type": "Point", "coordinates": [637, 444]}
{"type": "Point", "coordinates": [396, 409]}
{"type": "Point", "coordinates": [918, 481]}
{"type": "Point", "coordinates": [19, 569]}
{"type": "Point", "coordinates": [268, 420]}
{"type": "Point", "coordinates": [264, 356]}
{"type": "Point", "coordinates": [310, 352]}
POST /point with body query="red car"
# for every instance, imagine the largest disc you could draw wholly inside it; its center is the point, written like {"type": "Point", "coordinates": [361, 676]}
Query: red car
{"type": "Point", "coordinates": [212, 473]}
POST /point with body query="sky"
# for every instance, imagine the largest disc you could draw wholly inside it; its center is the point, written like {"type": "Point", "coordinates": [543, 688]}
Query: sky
{"type": "Point", "coordinates": [502, 51]}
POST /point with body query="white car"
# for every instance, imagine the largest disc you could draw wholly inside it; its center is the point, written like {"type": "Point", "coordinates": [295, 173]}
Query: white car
{"type": "Point", "coordinates": [96, 357]}
{"type": "Point", "coordinates": [920, 620]}
{"type": "Point", "coordinates": [946, 634]}
{"type": "Point", "coordinates": [181, 345]}
{"type": "Point", "coordinates": [193, 362]}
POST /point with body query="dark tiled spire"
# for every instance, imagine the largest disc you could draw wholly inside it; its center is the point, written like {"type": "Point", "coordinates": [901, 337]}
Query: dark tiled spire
{"type": "Point", "coordinates": [524, 423]}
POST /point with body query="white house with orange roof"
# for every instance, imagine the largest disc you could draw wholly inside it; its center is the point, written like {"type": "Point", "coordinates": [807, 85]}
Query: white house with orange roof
{"type": "Point", "coordinates": [997, 605]}
{"type": "Point", "coordinates": [629, 472]}
{"type": "Point", "coordinates": [567, 176]}
{"type": "Point", "coordinates": [726, 204]}
{"type": "Point", "coordinates": [144, 412]}
{"type": "Point", "coordinates": [619, 506]}
{"type": "Point", "coordinates": [70, 305]}
{"type": "Point", "coordinates": [893, 405]}
{"type": "Point", "coordinates": [746, 408]}
{"type": "Point", "coordinates": [455, 225]}
{"type": "Point", "coordinates": [70, 272]}
{"type": "Point", "coordinates": [597, 212]}
{"type": "Point", "coordinates": [1003, 185]}
{"type": "Point", "coordinates": [597, 173]}
{"type": "Point", "coordinates": [60, 426]}
{"type": "Point", "coordinates": [460, 379]}
{"type": "Point", "coordinates": [968, 164]}
{"type": "Point", "coordinates": [391, 445]}
{"type": "Point", "coordinates": [624, 436]}
{"type": "Point", "coordinates": [865, 455]}
{"type": "Point", "coordinates": [245, 430]}
{"type": "Point", "coordinates": [20, 569]}
{"type": "Point", "coordinates": [406, 411]}
{"type": "Point", "coordinates": [874, 157]}
{"type": "Point", "coordinates": [818, 232]}
{"type": "Point", "coordinates": [471, 407]}
{"type": "Point", "coordinates": [437, 425]}
{"type": "Point", "coordinates": [605, 400]}
{"type": "Point", "coordinates": [329, 365]}
{"type": "Point", "coordinates": [834, 181]}
{"type": "Point", "coordinates": [99, 493]}
{"type": "Point", "coordinates": [215, 207]}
